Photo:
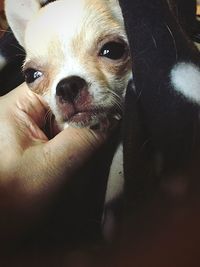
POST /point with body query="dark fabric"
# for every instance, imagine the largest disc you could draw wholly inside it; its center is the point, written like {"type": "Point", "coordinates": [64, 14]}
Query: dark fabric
{"type": "Point", "coordinates": [10, 75]}
{"type": "Point", "coordinates": [186, 11]}
{"type": "Point", "coordinates": [167, 123]}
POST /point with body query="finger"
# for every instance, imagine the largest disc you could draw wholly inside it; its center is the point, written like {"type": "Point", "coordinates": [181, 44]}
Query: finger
{"type": "Point", "coordinates": [31, 104]}
{"type": "Point", "coordinates": [26, 113]}
{"type": "Point", "coordinates": [59, 159]}
{"type": "Point", "coordinates": [72, 147]}
{"type": "Point", "coordinates": [22, 100]}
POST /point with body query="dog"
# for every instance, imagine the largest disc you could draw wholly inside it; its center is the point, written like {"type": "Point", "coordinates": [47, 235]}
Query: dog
{"type": "Point", "coordinates": [79, 63]}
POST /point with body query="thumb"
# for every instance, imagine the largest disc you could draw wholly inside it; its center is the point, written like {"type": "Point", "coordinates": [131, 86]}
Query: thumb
{"type": "Point", "coordinates": [30, 104]}
{"type": "Point", "coordinates": [72, 147]}
{"type": "Point", "coordinates": [57, 160]}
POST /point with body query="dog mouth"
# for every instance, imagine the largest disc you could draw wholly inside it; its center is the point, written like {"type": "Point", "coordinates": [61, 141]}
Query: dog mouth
{"type": "Point", "coordinates": [82, 116]}
{"type": "Point", "coordinates": [85, 114]}
{"type": "Point", "coordinates": [95, 119]}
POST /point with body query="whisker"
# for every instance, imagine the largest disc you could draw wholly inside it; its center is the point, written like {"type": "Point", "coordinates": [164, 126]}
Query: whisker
{"type": "Point", "coordinates": [6, 30]}
{"type": "Point", "coordinates": [47, 114]}
{"type": "Point", "coordinates": [116, 102]}
{"type": "Point", "coordinates": [18, 47]}
{"type": "Point", "coordinates": [114, 98]}
{"type": "Point", "coordinates": [19, 55]}
{"type": "Point", "coordinates": [48, 118]}
{"type": "Point", "coordinates": [113, 93]}
{"type": "Point", "coordinates": [174, 41]}
{"type": "Point", "coordinates": [2, 30]}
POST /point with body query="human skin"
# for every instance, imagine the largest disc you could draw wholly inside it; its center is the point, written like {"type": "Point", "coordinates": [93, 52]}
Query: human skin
{"type": "Point", "coordinates": [32, 167]}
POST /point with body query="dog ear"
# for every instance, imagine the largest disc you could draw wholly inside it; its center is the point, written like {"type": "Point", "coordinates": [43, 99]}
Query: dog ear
{"type": "Point", "coordinates": [18, 14]}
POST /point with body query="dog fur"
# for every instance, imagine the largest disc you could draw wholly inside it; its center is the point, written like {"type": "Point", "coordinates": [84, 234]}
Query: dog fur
{"type": "Point", "coordinates": [69, 46]}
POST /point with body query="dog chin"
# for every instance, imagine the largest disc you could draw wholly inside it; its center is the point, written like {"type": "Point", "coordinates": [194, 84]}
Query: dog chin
{"type": "Point", "coordinates": [101, 121]}
{"type": "Point", "coordinates": [87, 120]}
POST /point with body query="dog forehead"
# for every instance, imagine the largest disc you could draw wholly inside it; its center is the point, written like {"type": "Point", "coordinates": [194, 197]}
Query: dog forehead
{"type": "Point", "coordinates": [55, 25]}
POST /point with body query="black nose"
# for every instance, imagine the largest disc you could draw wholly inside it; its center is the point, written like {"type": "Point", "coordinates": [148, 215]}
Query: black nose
{"type": "Point", "coordinates": [69, 88]}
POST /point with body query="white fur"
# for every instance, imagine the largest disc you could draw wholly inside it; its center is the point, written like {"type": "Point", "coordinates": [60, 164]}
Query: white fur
{"type": "Point", "coordinates": [116, 177]}
{"type": "Point", "coordinates": [14, 10]}
{"type": "Point", "coordinates": [185, 78]}
{"type": "Point", "coordinates": [197, 45]}
{"type": "Point", "coordinates": [49, 45]}
{"type": "Point", "coordinates": [114, 190]}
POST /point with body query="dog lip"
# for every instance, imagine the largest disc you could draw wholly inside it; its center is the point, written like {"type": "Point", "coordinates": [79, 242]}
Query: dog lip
{"type": "Point", "coordinates": [85, 117]}
{"type": "Point", "coordinates": [79, 115]}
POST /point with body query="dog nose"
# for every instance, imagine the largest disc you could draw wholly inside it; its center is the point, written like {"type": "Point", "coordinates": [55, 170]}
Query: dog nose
{"type": "Point", "coordinates": [69, 88]}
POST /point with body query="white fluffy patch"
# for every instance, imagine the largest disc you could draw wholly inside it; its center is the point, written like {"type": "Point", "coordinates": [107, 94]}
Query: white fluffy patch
{"type": "Point", "coordinates": [185, 78]}
{"type": "Point", "coordinates": [2, 62]}
{"type": "Point", "coordinates": [197, 45]}
{"type": "Point", "coordinates": [115, 184]}
{"type": "Point", "coordinates": [115, 188]}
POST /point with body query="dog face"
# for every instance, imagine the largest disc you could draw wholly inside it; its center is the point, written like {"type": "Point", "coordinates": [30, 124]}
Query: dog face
{"type": "Point", "coordinates": [76, 56]}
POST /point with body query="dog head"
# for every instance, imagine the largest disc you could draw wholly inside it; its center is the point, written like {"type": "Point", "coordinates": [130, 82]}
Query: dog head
{"type": "Point", "coordinates": [77, 56]}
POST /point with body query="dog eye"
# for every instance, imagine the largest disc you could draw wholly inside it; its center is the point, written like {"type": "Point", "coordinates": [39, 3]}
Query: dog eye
{"type": "Point", "coordinates": [31, 75]}
{"type": "Point", "coordinates": [113, 50]}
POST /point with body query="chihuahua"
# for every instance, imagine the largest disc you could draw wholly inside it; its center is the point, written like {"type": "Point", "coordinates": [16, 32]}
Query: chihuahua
{"type": "Point", "coordinates": [77, 59]}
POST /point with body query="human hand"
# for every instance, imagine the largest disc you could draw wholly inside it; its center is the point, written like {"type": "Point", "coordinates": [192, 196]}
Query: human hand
{"type": "Point", "coordinates": [33, 168]}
